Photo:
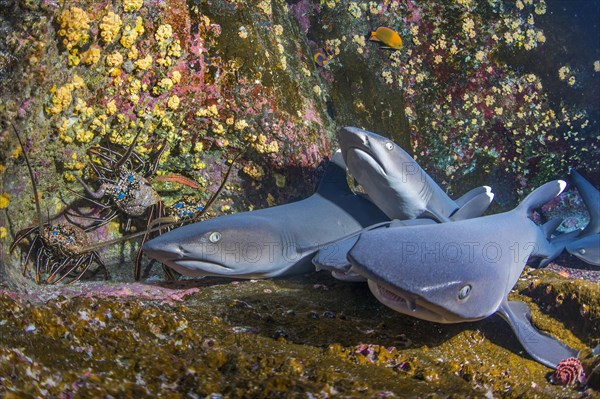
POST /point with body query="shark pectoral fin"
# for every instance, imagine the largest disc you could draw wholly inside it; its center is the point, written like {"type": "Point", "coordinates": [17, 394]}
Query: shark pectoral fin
{"type": "Point", "coordinates": [349, 277]}
{"type": "Point", "coordinates": [474, 207]}
{"type": "Point", "coordinates": [333, 182]}
{"type": "Point", "coordinates": [468, 196]}
{"type": "Point", "coordinates": [332, 256]}
{"type": "Point", "coordinates": [550, 250]}
{"type": "Point", "coordinates": [541, 347]}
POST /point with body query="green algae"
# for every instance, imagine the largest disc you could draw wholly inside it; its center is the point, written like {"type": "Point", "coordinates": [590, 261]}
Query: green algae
{"type": "Point", "coordinates": [574, 303]}
{"type": "Point", "coordinates": [308, 335]}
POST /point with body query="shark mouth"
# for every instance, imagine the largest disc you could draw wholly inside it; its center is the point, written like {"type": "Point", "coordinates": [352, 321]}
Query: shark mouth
{"type": "Point", "coordinates": [364, 158]}
{"type": "Point", "coordinates": [192, 266]}
{"type": "Point", "coordinates": [412, 305]}
{"type": "Point", "coordinates": [392, 298]}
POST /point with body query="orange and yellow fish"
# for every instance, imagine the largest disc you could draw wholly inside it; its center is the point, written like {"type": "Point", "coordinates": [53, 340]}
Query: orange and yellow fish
{"type": "Point", "coordinates": [323, 57]}
{"type": "Point", "coordinates": [387, 36]}
{"type": "Point", "coordinates": [320, 59]}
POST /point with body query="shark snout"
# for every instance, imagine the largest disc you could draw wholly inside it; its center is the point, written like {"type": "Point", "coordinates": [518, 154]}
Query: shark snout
{"type": "Point", "coordinates": [163, 250]}
{"type": "Point", "coordinates": [353, 137]}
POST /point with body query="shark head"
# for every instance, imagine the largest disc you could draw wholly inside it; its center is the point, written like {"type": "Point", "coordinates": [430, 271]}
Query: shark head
{"type": "Point", "coordinates": [414, 272]}
{"type": "Point", "coordinates": [411, 304]}
{"type": "Point", "coordinates": [239, 246]}
{"type": "Point", "coordinates": [587, 249]}
{"type": "Point", "coordinates": [369, 149]}
{"type": "Point", "coordinates": [391, 177]}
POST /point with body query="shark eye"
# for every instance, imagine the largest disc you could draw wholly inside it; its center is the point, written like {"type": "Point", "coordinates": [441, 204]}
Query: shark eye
{"type": "Point", "coordinates": [582, 251]}
{"type": "Point", "coordinates": [214, 237]}
{"type": "Point", "coordinates": [464, 292]}
{"type": "Point", "coordinates": [389, 146]}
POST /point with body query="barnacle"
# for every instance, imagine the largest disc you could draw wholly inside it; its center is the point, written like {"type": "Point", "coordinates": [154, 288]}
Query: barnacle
{"type": "Point", "coordinates": [173, 102]}
{"type": "Point", "coordinates": [144, 63]}
{"type": "Point", "coordinates": [90, 56]}
{"type": "Point", "coordinates": [110, 27]}
{"type": "Point", "coordinates": [163, 34]}
{"type": "Point", "coordinates": [74, 27]}
{"type": "Point", "coordinates": [111, 107]}
{"type": "Point", "coordinates": [132, 5]}
{"type": "Point", "coordinates": [115, 59]}
{"type": "Point", "coordinates": [162, 86]}
{"type": "Point", "coordinates": [61, 99]}
{"type": "Point", "coordinates": [254, 171]}
{"type": "Point", "coordinates": [176, 77]}
{"type": "Point", "coordinates": [129, 37]}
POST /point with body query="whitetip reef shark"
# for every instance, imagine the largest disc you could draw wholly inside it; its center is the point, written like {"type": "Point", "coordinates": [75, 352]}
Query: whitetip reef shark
{"type": "Point", "coordinates": [270, 242]}
{"type": "Point", "coordinates": [463, 271]}
{"type": "Point", "coordinates": [587, 245]}
{"type": "Point", "coordinates": [396, 183]}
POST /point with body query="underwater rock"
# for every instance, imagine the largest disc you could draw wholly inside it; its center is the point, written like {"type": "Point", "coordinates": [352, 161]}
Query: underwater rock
{"type": "Point", "coordinates": [234, 339]}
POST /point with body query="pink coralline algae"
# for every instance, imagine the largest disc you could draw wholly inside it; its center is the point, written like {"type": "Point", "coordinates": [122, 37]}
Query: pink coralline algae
{"type": "Point", "coordinates": [302, 11]}
{"type": "Point", "coordinates": [569, 372]}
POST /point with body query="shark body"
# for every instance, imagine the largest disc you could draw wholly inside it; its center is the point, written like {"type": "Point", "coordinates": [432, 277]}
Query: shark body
{"type": "Point", "coordinates": [464, 270]}
{"type": "Point", "coordinates": [268, 242]}
{"type": "Point", "coordinates": [587, 245]}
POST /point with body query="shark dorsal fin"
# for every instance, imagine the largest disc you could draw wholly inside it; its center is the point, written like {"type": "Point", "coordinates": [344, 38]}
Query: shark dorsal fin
{"type": "Point", "coordinates": [334, 179]}
{"type": "Point", "coordinates": [540, 196]}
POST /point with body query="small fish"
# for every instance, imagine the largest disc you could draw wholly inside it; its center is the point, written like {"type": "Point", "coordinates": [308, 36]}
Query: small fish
{"type": "Point", "coordinates": [387, 36]}
{"type": "Point", "coordinates": [320, 59]}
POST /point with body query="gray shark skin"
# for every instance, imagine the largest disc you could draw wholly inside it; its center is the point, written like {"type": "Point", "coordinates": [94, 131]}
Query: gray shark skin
{"type": "Point", "coordinates": [462, 271]}
{"type": "Point", "coordinates": [268, 242]}
{"type": "Point", "coordinates": [559, 241]}
{"type": "Point", "coordinates": [587, 245]}
{"type": "Point", "coordinates": [591, 198]}
{"type": "Point", "coordinates": [398, 185]}
{"type": "Point", "coordinates": [587, 249]}
{"type": "Point", "coordinates": [334, 256]}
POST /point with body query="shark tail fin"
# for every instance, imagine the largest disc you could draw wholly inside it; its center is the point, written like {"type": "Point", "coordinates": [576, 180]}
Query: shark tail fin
{"type": "Point", "coordinates": [542, 347]}
{"type": "Point", "coordinates": [591, 198]}
{"type": "Point", "coordinates": [334, 179]}
{"type": "Point", "coordinates": [540, 196]}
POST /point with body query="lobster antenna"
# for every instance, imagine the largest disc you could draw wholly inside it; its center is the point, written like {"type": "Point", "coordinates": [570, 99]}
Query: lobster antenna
{"type": "Point", "coordinates": [127, 154]}
{"type": "Point", "coordinates": [35, 191]}
{"type": "Point", "coordinates": [221, 187]}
